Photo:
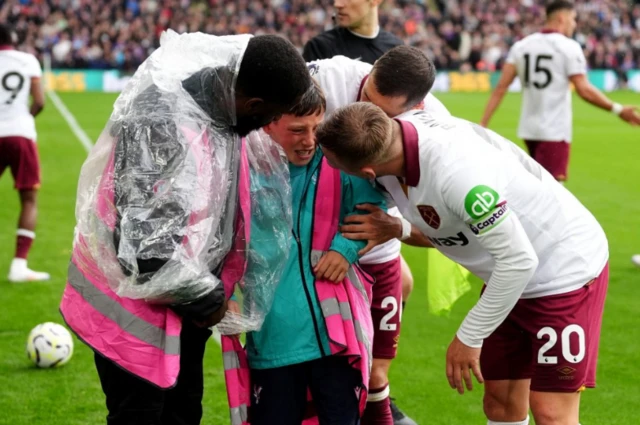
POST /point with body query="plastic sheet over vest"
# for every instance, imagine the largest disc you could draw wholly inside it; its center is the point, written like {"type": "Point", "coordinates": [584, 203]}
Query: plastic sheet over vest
{"type": "Point", "coordinates": [164, 206]}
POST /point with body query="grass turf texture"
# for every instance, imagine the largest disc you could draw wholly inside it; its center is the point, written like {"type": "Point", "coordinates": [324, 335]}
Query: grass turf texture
{"type": "Point", "coordinates": [604, 174]}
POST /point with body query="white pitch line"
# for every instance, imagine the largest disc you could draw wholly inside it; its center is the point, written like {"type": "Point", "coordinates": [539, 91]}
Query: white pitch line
{"type": "Point", "coordinates": [71, 120]}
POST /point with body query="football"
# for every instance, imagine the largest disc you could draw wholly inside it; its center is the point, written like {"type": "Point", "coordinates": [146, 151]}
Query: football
{"type": "Point", "coordinates": [49, 345]}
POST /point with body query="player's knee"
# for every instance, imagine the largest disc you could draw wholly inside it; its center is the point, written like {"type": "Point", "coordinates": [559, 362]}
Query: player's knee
{"type": "Point", "coordinates": [494, 408]}
{"type": "Point", "coordinates": [547, 416]}
{"type": "Point", "coordinates": [379, 375]}
{"type": "Point", "coordinates": [546, 413]}
{"type": "Point", "coordinates": [407, 282]}
{"type": "Point", "coordinates": [28, 198]}
{"type": "Point", "coordinates": [498, 409]}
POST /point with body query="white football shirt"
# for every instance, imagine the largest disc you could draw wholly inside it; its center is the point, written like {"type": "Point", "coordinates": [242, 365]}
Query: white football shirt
{"type": "Point", "coordinates": [487, 205]}
{"type": "Point", "coordinates": [341, 79]}
{"type": "Point", "coordinates": [16, 71]}
{"type": "Point", "coordinates": [544, 62]}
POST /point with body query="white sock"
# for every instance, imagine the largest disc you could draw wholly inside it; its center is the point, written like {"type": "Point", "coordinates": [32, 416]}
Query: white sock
{"type": "Point", "coordinates": [18, 264]}
{"type": "Point", "coordinates": [525, 422]}
{"type": "Point", "coordinates": [26, 233]}
{"type": "Point", "coordinates": [375, 397]}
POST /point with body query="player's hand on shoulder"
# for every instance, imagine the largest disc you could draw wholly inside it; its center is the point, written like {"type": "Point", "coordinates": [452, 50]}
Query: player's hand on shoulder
{"type": "Point", "coordinates": [332, 267]}
{"type": "Point", "coordinates": [630, 114]}
{"type": "Point", "coordinates": [376, 227]}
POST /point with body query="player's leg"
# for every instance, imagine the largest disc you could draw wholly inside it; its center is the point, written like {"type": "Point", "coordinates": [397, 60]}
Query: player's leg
{"type": "Point", "coordinates": [23, 160]}
{"type": "Point", "coordinates": [279, 395]}
{"type": "Point", "coordinates": [553, 156]}
{"type": "Point", "coordinates": [555, 408]}
{"type": "Point", "coordinates": [507, 401]}
{"type": "Point", "coordinates": [386, 314]}
{"type": "Point", "coordinates": [332, 384]}
{"type": "Point", "coordinates": [183, 403]}
{"type": "Point", "coordinates": [399, 418]}
{"type": "Point", "coordinates": [407, 281]}
{"type": "Point", "coordinates": [378, 410]}
{"type": "Point", "coordinates": [566, 349]}
{"type": "Point", "coordinates": [506, 365]}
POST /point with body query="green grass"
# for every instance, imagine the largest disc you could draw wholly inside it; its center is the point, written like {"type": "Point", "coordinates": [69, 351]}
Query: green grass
{"type": "Point", "coordinates": [604, 174]}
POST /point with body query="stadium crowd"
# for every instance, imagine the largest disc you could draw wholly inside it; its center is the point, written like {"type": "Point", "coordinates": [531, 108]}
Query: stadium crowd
{"type": "Point", "coordinates": [457, 34]}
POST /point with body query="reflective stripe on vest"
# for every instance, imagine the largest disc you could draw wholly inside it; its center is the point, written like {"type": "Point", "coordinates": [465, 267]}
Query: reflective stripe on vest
{"type": "Point", "coordinates": [315, 256]}
{"type": "Point", "coordinates": [331, 307]}
{"type": "Point", "coordinates": [237, 377]}
{"type": "Point", "coordinates": [230, 360]}
{"type": "Point", "coordinates": [126, 320]}
{"type": "Point", "coordinates": [357, 283]}
{"type": "Point", "coordinates": [239, 415]}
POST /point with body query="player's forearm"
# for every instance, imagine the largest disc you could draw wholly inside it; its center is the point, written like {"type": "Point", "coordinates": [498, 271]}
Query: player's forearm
{"type": "Point", "coordinates": [36, 108]}
{"type": "Point", "coordinates": [492, 105]}
{"type": "Point", "coordinates": [515, 264]}
{"type": "Point", "coordinates": [594, 96]}
{"type": "Point", "coordinates": [418, 239]}
{"type": "Point", "coordinates": [415, 238]}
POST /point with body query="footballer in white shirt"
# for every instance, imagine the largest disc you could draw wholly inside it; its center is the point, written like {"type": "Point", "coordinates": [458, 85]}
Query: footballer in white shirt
{"type": "Point", "coordinates": [479, 199]}
{"type": "Point", "coordinates": [20, 80]}
{"type": "Point", "coordinates": [395, 83]}
{"type": "Point", "coordinates": [399, 80]}
{"type": "Point", "coordinates": [546, 63]}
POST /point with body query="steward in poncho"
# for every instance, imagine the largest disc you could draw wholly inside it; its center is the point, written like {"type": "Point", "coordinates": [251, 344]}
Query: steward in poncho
{"type": "Point", "coordinates": [164, 213]}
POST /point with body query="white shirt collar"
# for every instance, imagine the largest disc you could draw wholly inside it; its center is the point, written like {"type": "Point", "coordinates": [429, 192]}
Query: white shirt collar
{"type": "Point", "coordinates": [364, 36]}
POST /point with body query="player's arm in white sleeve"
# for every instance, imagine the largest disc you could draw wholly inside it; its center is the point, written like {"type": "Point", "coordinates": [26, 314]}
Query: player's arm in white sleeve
{"type": "Point", "coordinates": [576, 68]}
{"type": "Point", "coordinates": [474, 195]}
{"type": "Point", "coordinates": [37, 93]}
{"type": "Point", "coordinates": [434, 106]}
{"type": "Point", "coordinates": [340, 78]}
{"type": "Point", "coordinates": [508, 74]}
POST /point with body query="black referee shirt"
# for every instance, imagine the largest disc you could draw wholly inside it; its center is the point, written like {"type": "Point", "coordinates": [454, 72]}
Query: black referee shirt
{"type": "Point", "coordinates": [341, 41]}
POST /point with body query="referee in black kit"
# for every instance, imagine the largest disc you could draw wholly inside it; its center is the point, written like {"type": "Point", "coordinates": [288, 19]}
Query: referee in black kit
{"type": "Point", "coordinates": [358, 35]}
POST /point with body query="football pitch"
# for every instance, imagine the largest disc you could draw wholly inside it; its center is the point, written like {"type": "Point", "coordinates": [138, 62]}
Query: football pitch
{"type": "Point", "coordinates": [604, 174]}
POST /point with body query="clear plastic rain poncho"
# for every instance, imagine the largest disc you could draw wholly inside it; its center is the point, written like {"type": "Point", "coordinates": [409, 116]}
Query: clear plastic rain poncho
{"type": "Point", "coordinates": [158, 197]}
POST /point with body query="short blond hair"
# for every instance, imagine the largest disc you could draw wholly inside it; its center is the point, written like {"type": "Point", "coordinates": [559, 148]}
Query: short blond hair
{"type": "Point", "coordinates": [359, 134]}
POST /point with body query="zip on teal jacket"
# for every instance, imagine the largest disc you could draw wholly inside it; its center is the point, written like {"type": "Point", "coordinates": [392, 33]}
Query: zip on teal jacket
{"type": "Point", "coordinates": [294, 330]}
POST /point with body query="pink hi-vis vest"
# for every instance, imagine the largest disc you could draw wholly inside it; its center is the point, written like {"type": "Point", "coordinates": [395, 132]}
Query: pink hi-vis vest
{"type": "Point", "coordinates": [142, 338]}
{"type": "Point", "coordinates": [345, 306]}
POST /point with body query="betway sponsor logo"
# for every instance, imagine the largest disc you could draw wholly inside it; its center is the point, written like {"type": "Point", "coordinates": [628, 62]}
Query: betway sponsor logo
{"type": "Point", "coordinates": [490, 220]}
{"type": "Point", "coordinates": [458, 240]}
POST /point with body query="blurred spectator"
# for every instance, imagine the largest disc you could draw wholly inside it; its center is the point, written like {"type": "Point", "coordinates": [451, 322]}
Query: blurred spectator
{"type": "Point", "coordinates": [120, 34]}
